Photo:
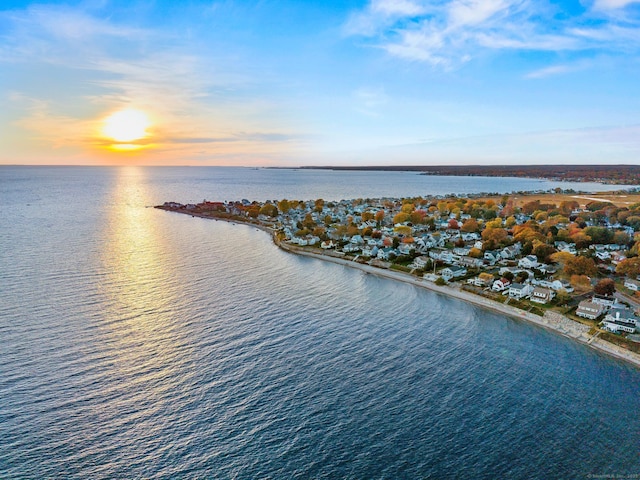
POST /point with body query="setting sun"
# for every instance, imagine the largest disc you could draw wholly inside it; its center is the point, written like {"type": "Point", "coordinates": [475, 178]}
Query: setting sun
{"type": "Point", "coordinates": [126, 125]}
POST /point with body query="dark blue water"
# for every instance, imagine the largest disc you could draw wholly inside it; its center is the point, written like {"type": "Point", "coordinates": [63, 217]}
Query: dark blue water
{"type": "Point", "coordinates": [136, 343]}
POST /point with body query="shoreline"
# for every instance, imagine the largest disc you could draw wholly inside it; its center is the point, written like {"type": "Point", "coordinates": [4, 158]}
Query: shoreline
{"type": "Point", "coordinates": [551, 321]}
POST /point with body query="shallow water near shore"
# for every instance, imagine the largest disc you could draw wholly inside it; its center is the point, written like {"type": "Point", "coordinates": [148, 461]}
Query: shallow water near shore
{"type": "Point", "coordinates": [139, 343]}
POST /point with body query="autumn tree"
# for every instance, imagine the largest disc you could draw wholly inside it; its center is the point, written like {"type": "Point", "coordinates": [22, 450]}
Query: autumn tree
{"type": "Point", "coordinates": [629, 267]}
{"type": "Point", "coordinates": [543, 251]}
{"type": "Point", "coordinates": [561, 257]}
{"type": "Point", "coordinates": [379, 216]}
{"type": "Point", "coordinates": [493, 237]}
{"type": "Point", "coordinates": [453, 224]}
{"type": "Point", "coordinates": [580, 283]}
{"type": "Point", "coordinates": [284, 206]}
{"type": "Point", "coordinates": [269, 209]}
{"type": "Point", "coordinates": [470, 225]}
{"type": "Point", "coordinates": [568, 206]}
{"type": "Point", "coordinates": [400, 217]}
{"type": "Point", "coordinates": [606, 286]}
{"type": "Point", "coordinates": [366, 216]}
{"type": "Point", "coordinates": [580, 265]}
{"type": "Point", "coordinates": [308, 221]}
{"type": "Point", "coordinates": [319, 205]}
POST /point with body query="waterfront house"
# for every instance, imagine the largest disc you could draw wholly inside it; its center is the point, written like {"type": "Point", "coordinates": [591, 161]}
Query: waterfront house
{"type": "Point", "coordinates": [452, 272]}
{"type": "Point", "coordinates": [421, 262]}
{"type": "Point", "coordinates": [471, 262]}
{"type": "Point", "coordinates": [519, 290]}
{"type": "Point", "coordinates": [500, 285]}
{"type": "Point", "coordinates": [590, 310]}
{"type": "Point", "coordinates": [542, 295]}
{"type": "Point", "coordinates": [327, 244]}
{"type": "Point", "coordinates": [617, 323]}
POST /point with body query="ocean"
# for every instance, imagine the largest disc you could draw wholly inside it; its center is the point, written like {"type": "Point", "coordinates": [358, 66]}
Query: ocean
{"type": "Point", "coordinates": [138, 343]}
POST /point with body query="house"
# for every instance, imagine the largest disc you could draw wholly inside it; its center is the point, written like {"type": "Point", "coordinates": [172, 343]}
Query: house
{"type": "Point", "coordinates": [560, 285]}
{"type": "Point", "coordinates": [566, 247]}
{"type": "Point", "coordinates": [470, 262]}
{"type": "Point", "coordinates": [351, 248]}
{"type": "Point", "coordinates": [454, 271]}
{"type": "Point", "coordinates": [421, 262]}
{"type": "Point", "coordinates": [520, 290]}
{"type": "Point", "coordinates": [617, 323]}
{"type": "Point", "coordinates": [492, 256]}
{"type": "Point", "coordinates": [542, 295]}
{"type": "Point", "coordinates": [530, 261]}
{"type": "Point", "coordinates": [500, 285]}
{"type": "Point", "coordinates": [385, 253]}
{"type": "Point", "coordinates": [604, 300]}
{"type": "Point", "coordinates": [369, 251]}
{"type": "Point", "coordinates": [482, 280]}
{"type": "Point", "coordinates": [632, 284]}
{"type": "Point", "coordinates": [511, 251]}
{"type": "Point", "coordinates": [590, 310]}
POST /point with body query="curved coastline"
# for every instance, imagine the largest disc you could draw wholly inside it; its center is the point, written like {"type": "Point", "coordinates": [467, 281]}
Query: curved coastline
{"type": "Point", "coordinates": [552, 321]}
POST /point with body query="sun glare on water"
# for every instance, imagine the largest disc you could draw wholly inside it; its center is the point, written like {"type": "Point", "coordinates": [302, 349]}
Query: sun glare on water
{"type": "Point", "coordinates": [126, 126]}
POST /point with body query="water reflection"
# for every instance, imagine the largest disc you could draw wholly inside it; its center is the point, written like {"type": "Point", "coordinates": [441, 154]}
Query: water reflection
{"type": "Point", "coordinates": [141, 324]}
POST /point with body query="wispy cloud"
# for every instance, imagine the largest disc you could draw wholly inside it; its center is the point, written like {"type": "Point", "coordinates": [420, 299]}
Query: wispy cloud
{"type": "Point", "coordinates": [449, 33]}
{"type": "Point", "coordinates": [194, 93]}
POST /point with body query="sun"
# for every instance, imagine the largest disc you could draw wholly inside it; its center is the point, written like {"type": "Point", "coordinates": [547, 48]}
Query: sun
{"type": "Point", "coordinates": [126, 125]}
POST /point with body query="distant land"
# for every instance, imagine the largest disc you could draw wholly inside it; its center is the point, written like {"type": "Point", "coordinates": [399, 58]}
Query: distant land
{"type": "Point", "coordinates": [612, 174]}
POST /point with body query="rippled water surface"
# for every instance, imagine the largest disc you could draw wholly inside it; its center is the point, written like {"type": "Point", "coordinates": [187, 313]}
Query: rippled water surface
{"type": "Point", "coordinates": [137, 343]}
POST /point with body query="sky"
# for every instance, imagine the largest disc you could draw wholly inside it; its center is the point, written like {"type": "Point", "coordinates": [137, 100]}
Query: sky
{"type": "Point", "coordinates": [294, 83]}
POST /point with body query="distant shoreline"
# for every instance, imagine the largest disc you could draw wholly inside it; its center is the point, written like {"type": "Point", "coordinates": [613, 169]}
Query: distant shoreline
{"type": "Point", "coordinates": [624, 174]}
{"type": "Point", "coordinates": [551, 320]}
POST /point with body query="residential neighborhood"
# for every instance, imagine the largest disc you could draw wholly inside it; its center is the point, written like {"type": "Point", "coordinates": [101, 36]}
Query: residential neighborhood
{"type": "Point", "coordinates": [579, 258]}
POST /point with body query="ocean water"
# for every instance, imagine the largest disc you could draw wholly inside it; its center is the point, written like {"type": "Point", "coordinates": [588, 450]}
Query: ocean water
{"type": "Point", "coordinates": [137, 343]}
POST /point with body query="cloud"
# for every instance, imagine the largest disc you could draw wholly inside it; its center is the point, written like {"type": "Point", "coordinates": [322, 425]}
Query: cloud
{"type": "Point", "coordinates": [449, 33]}
{"type": "Point", "coordinates": [612, 4]}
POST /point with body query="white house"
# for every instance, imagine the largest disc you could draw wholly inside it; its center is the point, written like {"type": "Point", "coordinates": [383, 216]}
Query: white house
{"type": "Point", "coordinates": [542, 295]}
{"type": "Point", "coordinates": [454, 271]}
{"type": "Point", "coordinates": [421, 262]}
{"type": "Point", "coordinates": [590, 310]}
{"type": "Point", "coordinates": [500, 285]}
{"type": "Point", "coordinates": [617, 323]}
{"type": "Point", "coordinates": [520, 290]}
{"type": "Point", "coordinates": [632, 284]}
{"type": "Point", "coordinates": [530, 261]}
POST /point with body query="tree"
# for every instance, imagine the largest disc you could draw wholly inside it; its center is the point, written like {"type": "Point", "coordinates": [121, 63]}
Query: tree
{"type": "Point", "coordinates": [400, 217]}
{"type": "Point", "coordinates": [493, 237]}
{"type": "Point", "coordinates": [580, 282]}
{"type": "Point", "coordinates": [581, 266]}
{"type": "Point", "coordinates": [308, 221]}
{"type": "Point", "coordinates": [269, 210]}
{"type": "Point", "coordinates": [284, 206]}
{"type": "Point", "coordinates": [562, 297]}
{"type": "Point", "coordinates": [319, 204]}
{"type": "Point", "coordinates": [606, 286]}
{"type": "Point", "coordinates": [543, 251]}
{"type": "Point", "coordinates": [403, 230]}
{"type": "Point", "coordinates": [561, 257]}
{"type": "Point", "coordinates": [379, 216]}
{"type": "Point", "coordinates": [408, 208]}
{"type": "Point", "coordinates": [453, 224]}
{"type": "Point", "coordinates": [470, 225]}
{"type": "Point", "coordinates": [475, 253]}
{"type": "Point", "coordinates": [629, 267]}
{"type": "Point", "coordinates": [441, 281]}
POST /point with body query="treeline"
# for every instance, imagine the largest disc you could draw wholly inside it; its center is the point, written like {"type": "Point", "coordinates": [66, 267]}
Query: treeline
{"type": "Point", "coordinates": [616, 174]}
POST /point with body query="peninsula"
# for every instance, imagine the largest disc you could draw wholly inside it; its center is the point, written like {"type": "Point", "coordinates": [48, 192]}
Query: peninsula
{"type": "Point", "coordinates": [565, 262]}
